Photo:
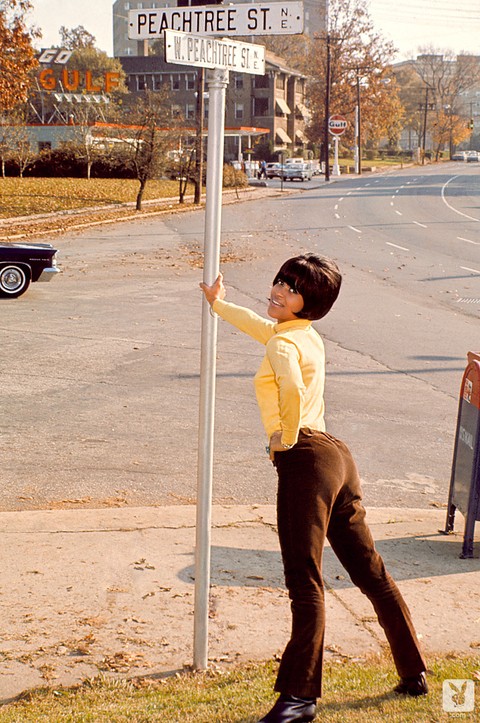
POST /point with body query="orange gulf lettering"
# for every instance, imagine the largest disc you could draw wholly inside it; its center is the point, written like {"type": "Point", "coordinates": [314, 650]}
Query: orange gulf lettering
{"type": "Point", "coordinates": [70, 85]}
{"type": "Point", "coordinates": [89, 83]}
{"type": "Point", "coordinates": [47, 79]}
{"type": "Point", "coordinates": [111, 81]}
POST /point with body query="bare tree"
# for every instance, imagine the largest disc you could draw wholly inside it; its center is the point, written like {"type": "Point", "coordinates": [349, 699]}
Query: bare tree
{"type": "Point", "coordinates": [445, 79]}
{"type": "Point", "coordinates": [20, 148]}
{"type": "Point", "coordinates": [153, 133]}
{"type": "Point", "coordinates": [84, 144]}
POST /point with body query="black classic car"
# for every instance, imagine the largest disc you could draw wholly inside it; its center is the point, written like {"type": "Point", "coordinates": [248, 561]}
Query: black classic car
{"type": "Point", "coordinates": [21, 263]}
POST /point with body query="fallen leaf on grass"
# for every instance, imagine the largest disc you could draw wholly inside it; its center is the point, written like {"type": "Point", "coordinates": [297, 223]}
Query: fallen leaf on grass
{"type": "Point", "coordinates": [122, 662]}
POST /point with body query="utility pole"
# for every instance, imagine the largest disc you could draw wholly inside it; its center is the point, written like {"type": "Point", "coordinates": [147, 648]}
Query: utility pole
{"type": "Point", "coordinates": [358, 133]}
{"type": "Point", "coordinates": [326, 136]}
{"type": "Point", "coordinates": [425, 108]}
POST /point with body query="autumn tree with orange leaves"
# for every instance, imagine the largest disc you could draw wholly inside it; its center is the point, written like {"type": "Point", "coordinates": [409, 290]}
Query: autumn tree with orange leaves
{"type": "Point", "coordinates": [17, 55]}
{"type": "Point", "coordinates": [360, 67]}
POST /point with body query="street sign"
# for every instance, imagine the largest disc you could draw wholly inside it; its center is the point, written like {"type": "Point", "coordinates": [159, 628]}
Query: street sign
{"type": "Point", "coordinates": [337, 125]}
{"type": "Point", "coordinates": [276, 18]}
{"type": "Point", "coordinates": [188, 49]}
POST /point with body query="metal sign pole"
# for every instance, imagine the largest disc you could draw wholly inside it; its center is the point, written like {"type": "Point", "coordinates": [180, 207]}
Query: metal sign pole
{"type": "Point", "coordinates": [217, 81]}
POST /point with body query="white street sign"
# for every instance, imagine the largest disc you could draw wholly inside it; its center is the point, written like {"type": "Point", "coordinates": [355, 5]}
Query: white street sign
{"type": "Point", "coordinates": [188, 49]}
{"type": "Point", "coordinates": [276, 18]}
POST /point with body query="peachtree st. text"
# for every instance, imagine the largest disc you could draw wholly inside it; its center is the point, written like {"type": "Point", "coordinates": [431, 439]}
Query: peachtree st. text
{"type": "Point", "coordinates": [216, 20]}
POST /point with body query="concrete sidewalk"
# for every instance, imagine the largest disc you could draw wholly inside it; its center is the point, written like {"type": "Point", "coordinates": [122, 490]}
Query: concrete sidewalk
{"type": "Point", "coordinates": [112, 590]}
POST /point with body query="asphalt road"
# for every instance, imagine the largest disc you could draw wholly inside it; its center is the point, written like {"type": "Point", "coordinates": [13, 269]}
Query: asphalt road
{"type": "Point", "coordinates": [100, 368]}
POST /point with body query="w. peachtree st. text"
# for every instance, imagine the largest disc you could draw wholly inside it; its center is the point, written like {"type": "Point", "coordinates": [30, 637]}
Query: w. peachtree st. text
{"type": "Point", "coordinates": [189, 49]}
{"type": "Point", "coordinates": [263, 19]}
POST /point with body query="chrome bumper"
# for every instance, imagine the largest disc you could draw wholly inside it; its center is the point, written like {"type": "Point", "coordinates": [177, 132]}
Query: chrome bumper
{"type": "Point", "coordinates": [48, 273]}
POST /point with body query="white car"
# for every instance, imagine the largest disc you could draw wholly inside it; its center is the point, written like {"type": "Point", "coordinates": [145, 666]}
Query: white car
{"type": "Point", "coordinates": [274, 170]}
{"type": "Point", "coordinates": [302, 171]}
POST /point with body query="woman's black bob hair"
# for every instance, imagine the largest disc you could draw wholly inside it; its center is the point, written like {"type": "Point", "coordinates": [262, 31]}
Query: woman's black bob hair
{"type": "Point", "coordinates": [316, 278]}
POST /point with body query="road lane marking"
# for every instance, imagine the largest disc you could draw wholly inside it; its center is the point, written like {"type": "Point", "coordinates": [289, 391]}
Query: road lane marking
{"type": "Point", "coordinates": [460, 213]}
{"type": "Point", "coordinates": [354, 229]}
{"type": "Point", "coordinates": [399, 213]}
{"type": "Point", "coordinates": [476, 243]}
{"type": "Point", "coordinates": [474, 271]}
{"type": "Point", "coordinates": [420, 224]}
{"type": "Point", "coordinates": [337, 215]}
{"type": "Point", "coordinates": [402, 248]}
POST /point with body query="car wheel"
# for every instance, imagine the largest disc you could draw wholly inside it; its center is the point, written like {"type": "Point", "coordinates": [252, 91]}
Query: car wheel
{"type": "Point", "coordinates": [14, 281]}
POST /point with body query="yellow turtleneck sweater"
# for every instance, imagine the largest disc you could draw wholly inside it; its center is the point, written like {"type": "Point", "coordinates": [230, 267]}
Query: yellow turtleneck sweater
{"type": "Point", "coordinates": [290, 381]}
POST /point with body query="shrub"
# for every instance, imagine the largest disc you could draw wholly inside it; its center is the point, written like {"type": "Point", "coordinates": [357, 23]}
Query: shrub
{"type": "Point", "coordinates": [232, 178]}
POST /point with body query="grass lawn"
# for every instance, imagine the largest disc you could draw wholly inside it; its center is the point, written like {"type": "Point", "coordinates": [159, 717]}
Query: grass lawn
{"type": "Point", "coordinates": [27, 196]}
{"type": "Point", "coordinates": [355, 692]}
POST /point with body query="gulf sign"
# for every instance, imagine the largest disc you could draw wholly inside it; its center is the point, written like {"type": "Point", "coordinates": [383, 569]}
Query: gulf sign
{"type": "Point", "coordinates": [71, 81]}
{"type": "Point", "coordinates": [337, 125]}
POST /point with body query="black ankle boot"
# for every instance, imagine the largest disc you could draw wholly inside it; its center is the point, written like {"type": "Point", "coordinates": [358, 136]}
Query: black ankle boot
{"type": "Point", "coordinates": [289, 709]}
{"type": "Point", "coordinates": [413, 686]}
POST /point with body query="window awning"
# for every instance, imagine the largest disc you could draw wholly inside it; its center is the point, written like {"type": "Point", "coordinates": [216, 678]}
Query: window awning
{"type": "Point", "coordinates": [300, 135]}
{"type": "Point", "coordinates": [303, 110]}
{"type": "Point", "coordinates": [284, 137]}
{"type": "Point", "coordinates": [283, 106]}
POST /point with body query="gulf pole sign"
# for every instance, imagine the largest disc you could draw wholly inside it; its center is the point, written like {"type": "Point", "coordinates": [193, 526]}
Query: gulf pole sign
{"type": "Point", "coordinates": [188, 49]}
{"type": "Point", "coordinates": [276, 18]}
{"type": "Point", "coordinates": [337, 125]}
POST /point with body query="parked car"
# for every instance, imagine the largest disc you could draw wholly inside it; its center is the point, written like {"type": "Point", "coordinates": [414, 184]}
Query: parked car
{"type": "Point", "coordinates": [472, 157]}
{"type": "Point", "coordinates": [302, 171]}
{"type": "Point", "coordinates": [274, 170]}
{"type": "Point", "coordinates": [21, 263]}
{"type": "Point", "coordinates": [459, 156]}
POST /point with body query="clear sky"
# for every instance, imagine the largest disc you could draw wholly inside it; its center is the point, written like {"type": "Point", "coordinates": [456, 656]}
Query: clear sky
{"type": "Point", "coordinates": [410, 24]}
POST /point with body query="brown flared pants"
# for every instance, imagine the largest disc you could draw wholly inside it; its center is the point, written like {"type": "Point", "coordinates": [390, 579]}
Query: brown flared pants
{"type": "Point", "coordinates": [319, 496]}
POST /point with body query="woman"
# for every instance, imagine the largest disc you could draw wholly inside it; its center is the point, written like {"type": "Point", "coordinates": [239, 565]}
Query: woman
{"type": "Point", "coordinates": [319, 493]}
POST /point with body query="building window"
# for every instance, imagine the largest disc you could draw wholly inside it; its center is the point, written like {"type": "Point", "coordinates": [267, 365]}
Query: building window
{"type": "Point", "coordinates": [205, 110]}
{"type": "Point", "coordinates": [127, 6]}
{"type": "Point", "coordinates": [176, 111]}
{"type": "Point", "coordinates": [280, 81]}
{"type": "Point", "coordinates": [175, 82]}
{"type": "Point", "coordinates": [261, 81]}
{"type": "Point", "coordinates": [238, 111]}
{"type": "Point", "coordinates": [157, 82]}
{"type": "Point", "coordinates": [238, 81]}
{"type": "Point", "coordinates": [190, 111]}
{"type": "Point", "coordinates": [44, 146]}
{"type": "Point", "coordinates": [191, 81]}
{"type": "Point", "coordinates": [260, 106]}
{"type": "Point", "coordinates": [141, 82]}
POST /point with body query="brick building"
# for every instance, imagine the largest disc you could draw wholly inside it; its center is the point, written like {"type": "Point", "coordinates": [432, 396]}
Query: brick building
{"type": "Point", "coordinates": [271, 106]}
